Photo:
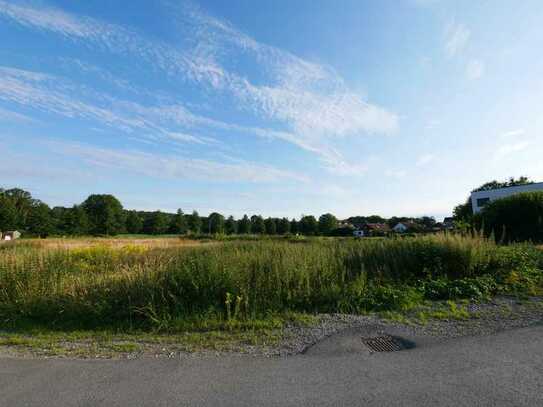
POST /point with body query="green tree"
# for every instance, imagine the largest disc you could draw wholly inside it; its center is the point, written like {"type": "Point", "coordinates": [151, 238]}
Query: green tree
{"type": "Point", "coordinates": [257, 225]}
{"type": "Point", "coordinates": [512, 182]}
{"type": "Point", "coordinates": [270, 226]}
{"type": "Point", "coordinates": [375, 219]}
{"type": "Point", "coordinates": [40, 221]}
{"type": "Point", "coordinates": [76, 221]}
{"type": "Point", "coordinates": [216, 223]}
{"type": "Point", "coordinates": [463, 212]}
{"type": "Point", "coordinates": [244, 225]}
{"type": "Point", "coordinates": [23, 203]}
{"type": "Point", "coordinates": [8, 214]}
{"type": "Point", "coordinates": [308, 225]}
{"type": "Point", "coordinates": [179, 223]}
{"type": "Point", "coordinates": [194, 222]}
{"type": "Point", "coordinates": [294, 226]}
{"type": "Point", "coordinates": [427, 222]}
{"type": "Point", "coordinates": [134, 222]}
{"type": "Point", "coordinates": [283, 226]}
{"type": "Point", "coordinates": [155, 223]}
{"type": "Point", "coordinates": [105, 214]}
{"type": "Point", "coordinates": [327, 223]}
{"type": "Point", "coordinates": [231, 226]}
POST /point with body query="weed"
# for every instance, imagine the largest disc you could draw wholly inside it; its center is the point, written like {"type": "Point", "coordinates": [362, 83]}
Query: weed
{"type": "Point", "coordinates": [237, 285]}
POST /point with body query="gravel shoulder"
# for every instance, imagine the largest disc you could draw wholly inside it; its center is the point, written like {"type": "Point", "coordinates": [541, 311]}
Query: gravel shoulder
{"type": "Point", "coordinates": [437, 321]}
{"type": "Point", "coordinates": [434, 322]}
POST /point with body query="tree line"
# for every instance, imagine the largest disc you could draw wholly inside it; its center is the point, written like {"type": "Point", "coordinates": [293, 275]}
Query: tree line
{"type": "Point", "coordinates": [103, 214]}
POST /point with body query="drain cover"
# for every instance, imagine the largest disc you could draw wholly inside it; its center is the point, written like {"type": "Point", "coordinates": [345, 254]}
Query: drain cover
{"type": "Point", "coordinates": [385, 343]}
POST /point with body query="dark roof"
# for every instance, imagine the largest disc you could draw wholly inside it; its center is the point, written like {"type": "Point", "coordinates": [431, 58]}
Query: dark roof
{"type": "Point", "coordinates": [376, 226]}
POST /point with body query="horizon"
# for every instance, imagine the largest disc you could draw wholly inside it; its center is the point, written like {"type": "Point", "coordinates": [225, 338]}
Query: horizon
{"type": "Point", "coordinates": [277, 109]}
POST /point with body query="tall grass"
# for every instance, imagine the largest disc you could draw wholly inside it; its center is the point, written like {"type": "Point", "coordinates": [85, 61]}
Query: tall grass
{"type": "Point", "coordinates": [155, 287]}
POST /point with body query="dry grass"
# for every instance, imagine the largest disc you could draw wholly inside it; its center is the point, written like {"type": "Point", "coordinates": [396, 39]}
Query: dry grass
{"type": "Point", "coordinates": [80, 243]}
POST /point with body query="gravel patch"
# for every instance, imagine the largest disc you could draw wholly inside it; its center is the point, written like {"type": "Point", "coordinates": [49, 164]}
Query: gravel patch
{"type": "Point", "coordinates": [502, 313]}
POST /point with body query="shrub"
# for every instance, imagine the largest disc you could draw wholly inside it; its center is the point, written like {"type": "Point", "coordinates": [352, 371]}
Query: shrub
{"type": "Point", "coordinates": [517, 218]}
{"type": "Point", "coordinates": [478, 288]}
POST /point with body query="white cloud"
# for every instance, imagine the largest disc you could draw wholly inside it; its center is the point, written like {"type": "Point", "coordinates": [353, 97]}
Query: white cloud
{"type": "Point", "coordinates": [11, 116]}
{"type": "Point", "coordinates": [508, 149]}
{"type": "Point", "coordinates": [425, 159]}
{"type": "Point", "coordinates": [475, 69]}
{"type": "Point", "coordinates": [190, 138]}
{"type": "Point", "coordinates": [513, 133]}
{"type": "Point", "coordinates": [55, 95]}
{"type": "Point", "coordinates": [311, 101]}
{"type": "Point", "coordinates": [53, 20]}
{"type": "Point", "coordinates": [456, 38]}
{"type": "Point", "coordinates": [174, 167]}
{"type": "Point", "coordinates": [20, 87]}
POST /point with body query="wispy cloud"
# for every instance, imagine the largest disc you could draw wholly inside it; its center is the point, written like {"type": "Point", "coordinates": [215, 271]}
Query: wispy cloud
{"type": "Point", "coordinates": [17, 165]}
{"type": "Point", "coordinates": [311, 102]}
{"type": "Point", "coordinates": [174, 167]}
{"type": "Point", "coordinates": [310, 97]}
{"type": "Point", "coordinates": [53, 20]}
{"type": "Point", "coordinates": [475, 69]}
{"type": "Point", "coordinates": [513, 133]}
{"type": "Point", "coordinates": [457, 36]}
{"type": "Point", "coordinates": [54, 95]}
{"type": "Point", "coordinates": [11, 116]}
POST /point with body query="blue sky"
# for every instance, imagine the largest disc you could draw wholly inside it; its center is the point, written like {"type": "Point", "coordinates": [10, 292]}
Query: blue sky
{"type": "Point", "coordinates": [272, 107]}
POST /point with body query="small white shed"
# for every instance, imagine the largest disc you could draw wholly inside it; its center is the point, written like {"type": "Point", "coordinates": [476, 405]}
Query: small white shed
{"type": "Point", "coordinates": [11, 235]}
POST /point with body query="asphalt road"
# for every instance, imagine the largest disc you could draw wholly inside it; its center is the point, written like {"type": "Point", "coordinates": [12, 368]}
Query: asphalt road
{"type": "Point", "coordinates": [505, 369]}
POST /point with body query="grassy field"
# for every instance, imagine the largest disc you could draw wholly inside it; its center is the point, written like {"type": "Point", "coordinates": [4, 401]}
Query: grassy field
{"type": "Point", "coordinates": [246, 289]}
{"type": "Point", "coordinates": [174, 284]}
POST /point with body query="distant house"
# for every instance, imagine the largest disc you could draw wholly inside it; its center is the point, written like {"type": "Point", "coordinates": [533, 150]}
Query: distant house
{"type": "Point", "coordinates": [400, 227]}
{"type": "Point", "coordinates": [480, 198]}
{"type": "Point", "coordinates": [10, 235]}
{"type": "Point", "coordinates": [375, 229]}
{"type": "Point", "coordinates": [343, 224]}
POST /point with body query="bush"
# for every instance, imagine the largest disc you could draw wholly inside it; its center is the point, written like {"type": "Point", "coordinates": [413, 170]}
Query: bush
{"type": "Point", "coordinates": [478, 288]}
{"type": "Point", "coordinates": [517, 218]}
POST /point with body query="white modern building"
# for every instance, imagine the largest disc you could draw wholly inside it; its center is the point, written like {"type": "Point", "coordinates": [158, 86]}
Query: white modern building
{"type": "Point", "coordinates": [480, 198]}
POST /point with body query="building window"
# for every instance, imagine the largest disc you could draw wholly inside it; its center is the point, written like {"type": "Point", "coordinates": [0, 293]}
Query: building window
{"type": "Point", "coordinates": [482, 202]}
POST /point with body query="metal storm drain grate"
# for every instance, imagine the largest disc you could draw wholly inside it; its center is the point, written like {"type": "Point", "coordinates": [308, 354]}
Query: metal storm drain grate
{"type": "Point", "coordinates": [385, 343]}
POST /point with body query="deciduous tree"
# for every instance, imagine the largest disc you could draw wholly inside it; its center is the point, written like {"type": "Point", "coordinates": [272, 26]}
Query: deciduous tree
{"type": "Point", "coordinates": [105, 214]}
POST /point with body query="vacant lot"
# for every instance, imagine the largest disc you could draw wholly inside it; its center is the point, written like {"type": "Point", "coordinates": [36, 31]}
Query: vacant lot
{"type": "Point", "coordinates": [165, 286]}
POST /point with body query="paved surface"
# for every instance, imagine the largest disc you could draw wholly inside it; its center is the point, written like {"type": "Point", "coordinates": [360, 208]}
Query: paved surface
{"type": "Point", "coordinates": [505, 369]}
